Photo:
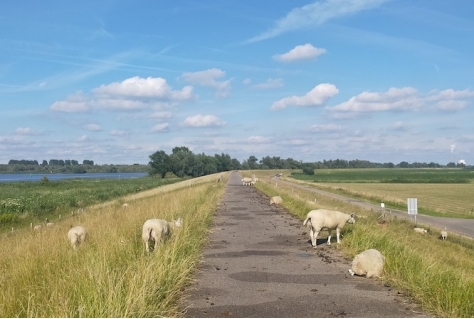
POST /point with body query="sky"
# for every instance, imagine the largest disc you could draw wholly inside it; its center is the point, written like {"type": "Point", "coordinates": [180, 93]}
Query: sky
{"type": "Point", "coordinates": [115, 81]}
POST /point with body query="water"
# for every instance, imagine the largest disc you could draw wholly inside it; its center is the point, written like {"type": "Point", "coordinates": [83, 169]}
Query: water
{"type": "Point", "coordinates": [55, 177]}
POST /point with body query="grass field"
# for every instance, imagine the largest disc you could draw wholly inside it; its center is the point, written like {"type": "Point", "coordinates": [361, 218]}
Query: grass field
{"type": "Point", "coordinates": [22, 203]}
{"type": "Point", "coordinates": [435, 190]}
{"type": "Point", "coordinates": [110, 275]}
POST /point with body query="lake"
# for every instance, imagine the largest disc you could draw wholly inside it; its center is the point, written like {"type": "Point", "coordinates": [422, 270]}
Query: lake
{"type": "Point", "coordinates": [55, 177]}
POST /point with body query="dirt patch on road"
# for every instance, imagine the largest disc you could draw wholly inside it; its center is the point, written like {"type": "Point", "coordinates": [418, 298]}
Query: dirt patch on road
{"type": "Point", "coordinates": [259, 264]}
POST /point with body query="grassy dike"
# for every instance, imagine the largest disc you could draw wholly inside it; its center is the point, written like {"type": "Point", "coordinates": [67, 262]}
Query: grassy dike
{"type": "Point", "coordinates": [438, 275]}
{"type": "Point", "coordinates": [110, 275]}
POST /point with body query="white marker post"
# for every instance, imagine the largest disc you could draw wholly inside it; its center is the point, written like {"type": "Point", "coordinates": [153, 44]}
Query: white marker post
{"type": "Point", "coordinates": [412, 204]}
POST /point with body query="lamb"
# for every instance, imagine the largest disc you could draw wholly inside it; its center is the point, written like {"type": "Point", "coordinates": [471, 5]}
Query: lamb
{"type": "Point", "coordinates": [276, 200]}
{"type": "Point", "coordinates": [368, 263]}
{"type": "Point", "coordinates": [420, 230]}
{"type": "Point", "coordinates": [76, 236]}
{"type": "Point", "coordinates": [320, 219]}
{"type": "Point", "coordinates": [444, 234]}
{"type": "Point", "coordinates": [157, 230]}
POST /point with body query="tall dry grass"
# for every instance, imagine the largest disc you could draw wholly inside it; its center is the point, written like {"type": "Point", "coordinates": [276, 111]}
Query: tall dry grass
{"type": "Point", "coordinates": [438, 275]}
{"type": "Point", "coordinates": [110, 275]}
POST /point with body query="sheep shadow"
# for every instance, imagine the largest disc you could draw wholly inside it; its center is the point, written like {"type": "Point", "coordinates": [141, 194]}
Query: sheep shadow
{"type": "Point", "coordinates": [319, 241]}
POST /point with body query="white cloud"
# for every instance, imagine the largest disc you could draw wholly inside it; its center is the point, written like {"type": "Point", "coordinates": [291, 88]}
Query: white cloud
{"type": "Point", "coordinates": [316, 13]}
{"type": "Point", "coordinates": [208, 78]}
{"type": "Point", "coordinates": [93, 127]}
{"type": "Point", "coordinates": [83, 138]}
{"type": "Point", "coordinates": [24, 131]}
{"type": "Point", "coordinates": [131, 94]}
{"type": "Point", "coordinates": [270, 84]}
{"type": "Point", "coordinates": [246, 81]}
{"type": "Point", "coordinates": [203, 121]}
{"type": "Point", "coordinates": [300, 52]}
{"type": "Point", "coordinates": [141, 87]}
{"type": "Point", "coordinates": [316, 97]}
{"type": "Point", "coordinates": [404, 99]}
{"type": "Point", "coordinates": [163, 127]}
{"type": "Point", "coordinates": [399, 126]}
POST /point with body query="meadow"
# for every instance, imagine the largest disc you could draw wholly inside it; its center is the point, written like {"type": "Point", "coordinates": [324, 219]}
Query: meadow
{"type": "Point", "coordinates": [438, 275]}
{"type": "Point", "coordinates": [440, 192]}
{"type": "Point", "coordinates": [110, 275]}
{"type": "Point", "coordinates": [22, 203]}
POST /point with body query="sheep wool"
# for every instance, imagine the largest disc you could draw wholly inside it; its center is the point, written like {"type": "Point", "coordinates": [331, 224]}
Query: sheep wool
{"type": "Point", "coordinates": [276, 200]}
{"type": "Point", "coordinates": [368, 263]}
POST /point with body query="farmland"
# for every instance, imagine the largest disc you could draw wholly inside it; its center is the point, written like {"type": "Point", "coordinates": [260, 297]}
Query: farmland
{"type": "Point", "coordinates": [440, 192]}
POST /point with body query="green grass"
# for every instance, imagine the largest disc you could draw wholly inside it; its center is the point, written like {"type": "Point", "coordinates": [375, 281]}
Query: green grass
{"type": "Point", "coordinates": [22, 203]}
{"type": "Point", "coordinates": [110, 274]}
{"type": "Point", "coordinates": [389, 175]}
{"type": "Point", "coordinates": [438, 275]}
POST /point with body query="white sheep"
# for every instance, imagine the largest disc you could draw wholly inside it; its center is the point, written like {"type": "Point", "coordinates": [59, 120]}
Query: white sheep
{"type": "Point", "coordinates": [246, 181]}
{"type": "Point", "coordinates": [157, 230]}
{"type": "Point", "coordinates": [320, 219]}
{"type": "Point", "coordinates": [36, 227]}
{"type": "Point", "coordinates": [76, 235]}
{"type": "Point", "coordinates": [125, 205]}
{"type": "Point", "coordinates": [420, 230]}
{"type": "Point", "coordinates": [444, 234]}
{"type": "Point", "coordinates": [368, 263]}
{"type": "Point", "coordinates": [276, 200]}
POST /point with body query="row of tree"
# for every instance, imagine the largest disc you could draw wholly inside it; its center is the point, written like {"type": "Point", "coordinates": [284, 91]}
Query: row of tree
{"type": "Point", "coordinates": [52, 162]}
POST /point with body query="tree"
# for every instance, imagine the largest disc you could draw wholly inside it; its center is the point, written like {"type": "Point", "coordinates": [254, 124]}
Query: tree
{"type": "Point", "coordinates": [160, 163]}
{"type": "Point", "coordinates": [252, 162]}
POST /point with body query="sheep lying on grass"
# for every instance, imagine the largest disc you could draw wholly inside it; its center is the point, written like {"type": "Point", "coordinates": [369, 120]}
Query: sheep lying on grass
{"type": "Point", "coordinates": [76, 236]}
{"type": "Point", "coordinates": [420, 230]}
{"type": "Point", "coordinates": [368, 263]}
{"type": "Point", "coordinates": [156, 230]}
{"type": "Point", "coordinates": [320, 219]}
{"type": "Point", "coordinates": [443, 234]}
{"type": "Point", "coordinates": [276, 200]}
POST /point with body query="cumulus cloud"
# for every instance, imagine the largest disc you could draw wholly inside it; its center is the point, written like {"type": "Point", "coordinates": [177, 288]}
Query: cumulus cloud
{"type": "Point", "coordinates": [402, 99]}
{"type": "Point", "coordinates": [316, 97]}
{"type": "Point", "coordinates": [270, 84]}
{"type": "Point", "coordinates": [141, 87]}
{"type": "Point", "coordinates": [315, 14]}
{"type": "Point", "coordinates": [118, 133]}
{"type": "Point", "coordinates": [131, 94]}
{"type": "Point", "coordinates": [162, 127]}
{"type": "Point", "coordinates": [203, 121]}
{"type": "Point", "coordinates": [300, 52]}
{"type": "Point", "coordinates": [161, 114]}
{"type": "Point", "coordinates": [208, 78]}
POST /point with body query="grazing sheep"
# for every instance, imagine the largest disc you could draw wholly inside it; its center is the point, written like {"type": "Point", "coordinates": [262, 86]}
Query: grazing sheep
{"type": "Point", "coordinates": [125, 205]}
{"type": "Point", "coordinates": [76, 236]}
{"type": "Point", "coordinates": [368, 263]}
{"type": "Point", "coordinates": [320, 219]}
{"type": "Point", "coordinates": [444, 234]}
{"type": "Point", "coordinates": [157, 230]}
{"type": "Point", "coordinates": [36, 227]}
{"type": "Point", "coordinates": [48, 223]}
{"type": "Point", "coordinates": [420, 230]}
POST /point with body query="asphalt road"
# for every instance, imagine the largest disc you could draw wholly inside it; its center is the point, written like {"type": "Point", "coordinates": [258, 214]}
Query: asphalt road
{"type": "Point", "coordinates": [259, 263]}
{"type": "Point", "coordinates": [463, 227]}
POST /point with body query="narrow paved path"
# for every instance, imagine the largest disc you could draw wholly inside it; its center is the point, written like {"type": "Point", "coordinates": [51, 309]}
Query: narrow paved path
{"type": "Point", "coordinates": [461, 226]}
{"type": "Point", "coordinates": [259, 264]}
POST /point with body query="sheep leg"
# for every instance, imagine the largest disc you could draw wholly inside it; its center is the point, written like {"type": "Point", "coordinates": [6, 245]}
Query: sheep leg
{"type": "Point", "coordinates": [329, 237]}
{"type": "Point", "coordinates": [338, 233]}
{"type": "Point", "coordinates": [314, 236]}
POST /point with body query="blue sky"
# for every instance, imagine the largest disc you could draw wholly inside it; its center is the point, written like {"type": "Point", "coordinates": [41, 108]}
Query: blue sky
{"type": "Point", "coordinates": [116, 81]}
